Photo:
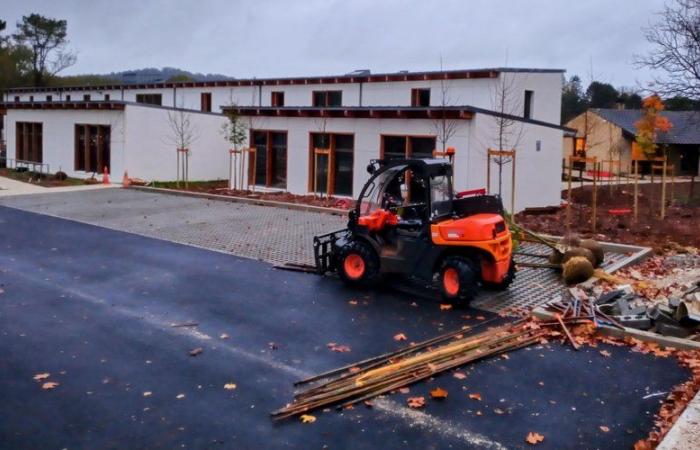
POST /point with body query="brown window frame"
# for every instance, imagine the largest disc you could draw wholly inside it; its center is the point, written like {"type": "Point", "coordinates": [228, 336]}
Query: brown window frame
{"type": "Point", "coordinates": [150, 99]}
{"type": "Point", "coordinates": [333, 158]}
{"type": "Point", "coordinates": [408, 147]}
{"type": "Point", "coordinates": [31, 98]}
{"type": "Point", "coordinates": [49, 98]}
{"type": "Point", "coordinates": [82, 155]}
{"type": "Point", "coordinates": [29, 137]}
{"type": "Point", "coordinates": [16, 98]}
{"type": "Point", "coordinates": [68, 97]}
{"type": "Point", "coordinates": [277, 99]}
{"type": "Point", "coordinates": [326, 96]}
{"type": "Point", "coordinates": [107, 97]}
{"type": "Point", "coordinates": [416, 97]}
{"type": "Point", "coordinates": [269, 158]}
{"type": "Point", "coordinates": [205, 101]}
{"type": "Point", "coordinates": [86, 97]}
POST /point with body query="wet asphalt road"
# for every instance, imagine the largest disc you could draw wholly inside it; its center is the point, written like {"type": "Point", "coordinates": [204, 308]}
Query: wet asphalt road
{"type": "Point", "coordinates": [95, 308]}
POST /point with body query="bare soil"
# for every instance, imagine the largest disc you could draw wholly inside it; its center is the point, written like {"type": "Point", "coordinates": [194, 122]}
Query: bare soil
{"type": "Point", "coordinates": [680, 227]}
{"type": "Point", "coordinates": [220, 187]}
{"type": "Point", "coordinates": [45, 180]}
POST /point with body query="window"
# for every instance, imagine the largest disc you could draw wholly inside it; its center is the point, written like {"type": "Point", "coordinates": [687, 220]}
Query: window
{"type": "Point", "coordinates": [106, 97]}
{"type": "Point", "coordinates": [205, 101]}
{"type": "Point", "coordinates": [529, 97]}
{"type": "Point", "coordinates": [420, 97]}
{"type": "Point", "coordinates": [86, 97]}
{"type": "Point", "coordinates": [150, 99]}
{"type": "Point", "coordinates": [398, 147]}
{"type": "Point", "coordinates": [31, 98]}
{"type": "Point", "coordinates": [277, 99]}
{"type": "Point", "coordinates": [92, 147]}
{"type": "Point", "coordinates": [68, 98]}
{"type": "Point", "coordinates": [28, 139]}
{"type": "Point", "coordinates": [334, 151]}
{"type": "Point", "coordinates": [16, 98]}
{"type": "Point", "coordinates": [270, 163]}
{"type": "Point", "coordinates": [49, 98]}
{"type": "Point", "coordinates": [326, 99]}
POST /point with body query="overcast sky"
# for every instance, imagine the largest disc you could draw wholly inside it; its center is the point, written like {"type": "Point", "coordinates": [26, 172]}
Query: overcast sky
{"type": "Point", "coordinates": [271, 38]}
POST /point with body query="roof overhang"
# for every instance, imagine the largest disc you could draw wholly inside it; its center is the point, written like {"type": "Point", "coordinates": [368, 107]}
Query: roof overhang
{"type": "Point", "coordinates": [451, 113]}
{"type": "Point", "coordinates": [97, 105]}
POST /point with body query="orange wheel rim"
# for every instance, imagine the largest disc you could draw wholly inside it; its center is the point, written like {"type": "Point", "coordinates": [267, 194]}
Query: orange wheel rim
{"type": "Point", "coordinates": [354, 266]}
{"type": "Point", "coordinates": [450, 280]}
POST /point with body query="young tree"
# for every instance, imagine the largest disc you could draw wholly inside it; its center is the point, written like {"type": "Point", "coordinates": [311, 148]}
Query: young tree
{"type": "Point", "coordinates": [650, 125]}
{"type": "Point", "coordinates": [444, 127]}
{"type": "Point", "coordinates": [235, 131]}
{"type": "Point", "coordinates": [182, 134]}
{"type": "Point", "coordinates": [676, 49]}
{"type": "Point", "coordinates": [47, 39]}
{"type": "Point", "coordinates": [506, 100]}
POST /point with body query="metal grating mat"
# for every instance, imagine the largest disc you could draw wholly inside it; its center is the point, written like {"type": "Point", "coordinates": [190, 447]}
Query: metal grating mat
{"type": "Point", "coordinates": [533, 286]}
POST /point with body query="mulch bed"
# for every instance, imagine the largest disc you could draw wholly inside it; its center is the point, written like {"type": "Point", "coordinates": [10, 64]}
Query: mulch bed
{"type": "Point", "coordinates": [679, 227]}
{"type": "Point", "coordinates": [39, 180]}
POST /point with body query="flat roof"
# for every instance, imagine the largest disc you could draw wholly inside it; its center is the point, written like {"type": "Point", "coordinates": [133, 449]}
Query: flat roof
{"type": "Point", "coordinates": [324, 79]}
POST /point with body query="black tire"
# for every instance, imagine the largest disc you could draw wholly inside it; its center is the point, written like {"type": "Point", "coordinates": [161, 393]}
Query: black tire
{"type": "Point", "coordinates": [467, 277]}
{"type": "Point", "coordinates": [370, 261]}
{"type": "Point", "coordinates": [507, 281]}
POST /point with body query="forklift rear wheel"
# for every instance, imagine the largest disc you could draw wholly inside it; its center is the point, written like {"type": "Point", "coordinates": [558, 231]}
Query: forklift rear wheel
{"type": "Point", "coordinates": [459, 280]}
{"type": "Point", "coordinates": [507, 280]}
{"type": "Point", "coordinates": [358, 264]}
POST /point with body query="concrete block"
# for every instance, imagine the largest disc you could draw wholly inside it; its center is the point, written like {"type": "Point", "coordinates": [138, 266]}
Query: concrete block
{"type": "Point", "coordinates": [667, 329]}
{"type": "Point", "coordinates": [640, 322]}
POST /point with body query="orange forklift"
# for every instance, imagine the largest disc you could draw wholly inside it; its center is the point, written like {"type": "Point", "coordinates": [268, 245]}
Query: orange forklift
{"type": "Point", "coordinates": [408, 222]}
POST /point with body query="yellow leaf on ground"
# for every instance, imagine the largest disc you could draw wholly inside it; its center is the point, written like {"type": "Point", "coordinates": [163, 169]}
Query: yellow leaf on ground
{"type": "Point", "coordinates": [445, 306]}
{"type": "Point", "coordinates": [41, 376]}
{"type": "Point", "coordinates": [534, 438]}
{"type": "Point", "coordinates": [307, 418]}
{"type": "Point", "coordinates": [400, 337]}
{"type": "Point", "coordinates": [438, 393]}
{"type": "Point", "coordinates": [49, 385]}
{"type": "Point", "coordinates": [416, 402]}
{"type": "Point", "coordinates": [230, 386]}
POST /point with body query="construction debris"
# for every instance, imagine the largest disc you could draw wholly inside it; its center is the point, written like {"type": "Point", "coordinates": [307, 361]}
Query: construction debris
{"type": "Point", "coordinates": [375, 376]}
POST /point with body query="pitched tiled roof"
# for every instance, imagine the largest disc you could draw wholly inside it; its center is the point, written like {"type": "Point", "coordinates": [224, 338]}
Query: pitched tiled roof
{"type": "Point", "coordinates": [685, 129]}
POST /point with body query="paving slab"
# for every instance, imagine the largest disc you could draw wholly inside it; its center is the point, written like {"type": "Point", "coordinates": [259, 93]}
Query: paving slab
{"type": "Point", "coordinates": [95, 308]}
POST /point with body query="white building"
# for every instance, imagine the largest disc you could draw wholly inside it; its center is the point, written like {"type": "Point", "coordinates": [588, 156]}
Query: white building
{"type": "Point", "coordinates": [359, 117]}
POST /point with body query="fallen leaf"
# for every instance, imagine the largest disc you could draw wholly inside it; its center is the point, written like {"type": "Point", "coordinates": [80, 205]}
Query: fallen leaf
{"type": "Point", "coordinates": [353, 302]}
{"type": "Point", "coordinates": [459, 375]}
{"type": "Point", "coordinates": [438, 393]}
{"type": "Point", "coordinates": [445, 306]}
{"type": "Point", "coordinates": [272, 346]}
{"type": "Point", "coordinates": [338, 348]}
{"type": "Point", "coordinates": [223, 336]}
{"type": "Point", "coordinates": [49, 385]}
{"type": "Point", "coordinates": [179, 396]}
{"type": "Point", "coordinates": [404, 390]}
{"type": "Point", "coordinates": [480, 318]}
{"type": "Point", "coordinates": [499, 411]}
{"type": "Point", "coordinates": [307, 418]}
{"type": "Point", "coordinates": [416, 402]}
{"type": "Point", "coordinates": [504, 356]}
{"type": "Point", "coordinates": [147, 394]}
{"type": "Point", "coordinates": [196, 351]}
{"type": "Point", "coordinates": [41, 376]}
{"type": "Point", "coordinates": [368, 403]}
{"type": "Point", "coordinates": [230, 386]}
{"type": "Point", "coordinates": [354, 369]}
{"type": "Point", "coordinates": [400, 337]}
{"type": "Point", "coordinates": [606, 353]}
{"type": "Point", "coordinates": [534, 438]}
{"type": "Point", "coordinates": [604, 429]}
{"type": "Point", "coordinates": [475, 396]}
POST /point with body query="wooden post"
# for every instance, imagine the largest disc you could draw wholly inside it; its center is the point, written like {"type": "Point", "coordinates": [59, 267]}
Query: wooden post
{"type": "Point", "coordinates": [512, 188]}
{"type": "Point", "coordinates": [596, 173]}
{"type": "Point", "coordinates": [636, 189]}
{"type": "Point", "coordinates": [488, 171]}
{"type": "Point", "coordinates": [501, 154]}
{"type": "Point", "coordinates": [568, 200]}
{"type": "Point", "coordinates": [663, 190]}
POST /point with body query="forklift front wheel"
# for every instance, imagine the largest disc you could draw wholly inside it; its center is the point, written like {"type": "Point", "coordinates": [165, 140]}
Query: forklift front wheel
{"type": "Point", "coordinates": [459, 281]}
{"type": "Point", "coordinates": [358, 264]}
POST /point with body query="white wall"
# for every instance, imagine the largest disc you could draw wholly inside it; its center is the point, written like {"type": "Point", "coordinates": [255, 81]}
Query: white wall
{"type": "Point", "coordinates": [151, 151]}
{"type": "Point", "coordinates": [478, 92]}
{"type": "Point", "coordinates": [58, 136]}
{"type": "Point", "coordinates": [537, 172]}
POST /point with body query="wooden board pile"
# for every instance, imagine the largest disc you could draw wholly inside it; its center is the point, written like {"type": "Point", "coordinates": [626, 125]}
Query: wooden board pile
{"type": "Point", "coordinates": [375, 376]}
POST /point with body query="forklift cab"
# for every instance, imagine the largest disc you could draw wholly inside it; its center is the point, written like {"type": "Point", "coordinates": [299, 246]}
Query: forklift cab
{"type": "Point", "coordinates": [416, 192]}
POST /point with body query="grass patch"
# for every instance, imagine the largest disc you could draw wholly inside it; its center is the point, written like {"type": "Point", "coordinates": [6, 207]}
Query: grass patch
{"type": "Point", "coordinates": [191, 185]}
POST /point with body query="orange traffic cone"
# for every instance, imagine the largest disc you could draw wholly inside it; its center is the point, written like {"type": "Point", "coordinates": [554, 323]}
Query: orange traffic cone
{"type": "Point", "coordinates": [105, 176]}
{"type": "Point", "coordinates": [126, 182]}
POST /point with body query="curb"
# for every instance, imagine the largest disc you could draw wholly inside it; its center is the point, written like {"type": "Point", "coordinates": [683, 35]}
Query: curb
{"type": "Point", "coordinates": [250, 201]}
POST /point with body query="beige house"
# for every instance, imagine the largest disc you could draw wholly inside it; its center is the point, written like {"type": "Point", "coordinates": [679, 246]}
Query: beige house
{"type": "Point", "coordinates": [608, 134]}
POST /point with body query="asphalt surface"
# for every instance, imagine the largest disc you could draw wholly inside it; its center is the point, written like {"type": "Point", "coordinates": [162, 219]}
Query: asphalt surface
{"type": "Point", "coordinates": [95, 308]}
